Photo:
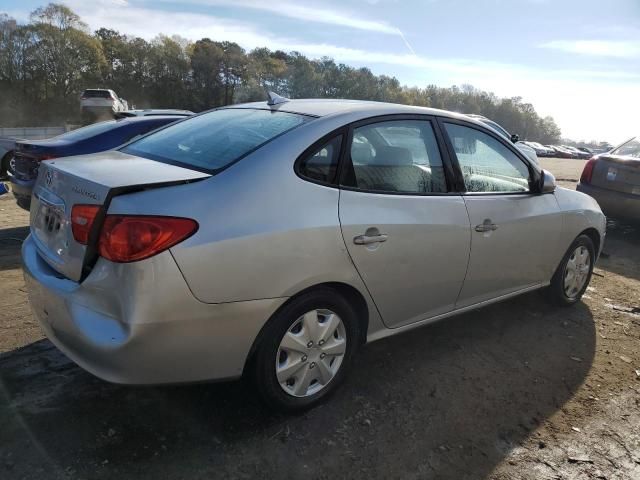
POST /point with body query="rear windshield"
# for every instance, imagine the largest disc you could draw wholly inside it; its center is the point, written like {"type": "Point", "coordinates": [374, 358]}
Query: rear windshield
{"type": "Point", "coordinates": [97, 94]}
{"type": "Point", "coordinates": [88, 131]}
{"type": "Point", "coordinates": [214, 140]}
{"type": "Point", "coordinates": [629, 149]}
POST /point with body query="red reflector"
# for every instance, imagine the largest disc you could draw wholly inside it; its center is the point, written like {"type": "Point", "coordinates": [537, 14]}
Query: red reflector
{"type": "Point", "coordinates": [82, 217]}
{"type": "Point", "coordinates": [128, 238]}
{"type": "Point", "coordinates": [587, 173]}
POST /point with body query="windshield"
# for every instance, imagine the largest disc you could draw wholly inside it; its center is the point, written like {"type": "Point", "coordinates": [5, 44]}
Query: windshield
{"type": "Point", "coordinates": [88, 131]}
{"type": "Point", "coordinates": [629, 149]}
{"type": "Point", "coordinates": [214, 140]}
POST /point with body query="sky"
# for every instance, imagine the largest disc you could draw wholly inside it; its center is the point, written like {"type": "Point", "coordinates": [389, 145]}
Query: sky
{"type": "Point", "coordinates": [576, 60]}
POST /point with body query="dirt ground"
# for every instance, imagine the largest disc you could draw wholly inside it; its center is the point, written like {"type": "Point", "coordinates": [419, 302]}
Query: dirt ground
{"type": "Point", "coordinates": [518, 390]}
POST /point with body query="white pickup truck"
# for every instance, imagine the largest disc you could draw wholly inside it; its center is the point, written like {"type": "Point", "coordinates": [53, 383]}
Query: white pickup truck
{"type": "Point", "coordinates": [101, 102]}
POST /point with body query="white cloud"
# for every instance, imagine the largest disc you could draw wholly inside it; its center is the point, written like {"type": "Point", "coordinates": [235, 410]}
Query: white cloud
{"type": "Point", "coordinates": [299, 11]}
{"type": "Point", "coordinates": [308, 13]}
{"type": "Point", "coordinates": [604, 48]}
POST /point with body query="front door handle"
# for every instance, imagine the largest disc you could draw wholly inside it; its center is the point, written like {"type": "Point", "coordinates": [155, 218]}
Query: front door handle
{"type": "Point", "coordinates": [486, 226]}
{"type": "Point", "coordinates": [369, 239]}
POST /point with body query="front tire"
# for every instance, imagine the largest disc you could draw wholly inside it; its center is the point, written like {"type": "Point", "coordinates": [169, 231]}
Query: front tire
{"type": "Point", "coordinates": [573, 275]}
{"type": "Point", "coordinates": [306, 350]}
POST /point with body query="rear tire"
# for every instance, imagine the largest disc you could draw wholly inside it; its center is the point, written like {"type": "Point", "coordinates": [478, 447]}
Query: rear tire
{"type": "Point", "coordinates": [573, 275]}
{"type": "Point", "coordinates": [4, 164]}
{"type": "Point", "coordinates": [306, 350]}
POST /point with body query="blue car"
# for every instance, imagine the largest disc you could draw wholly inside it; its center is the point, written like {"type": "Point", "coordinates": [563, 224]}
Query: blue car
{"type": "Point", "coordinates": [23, 167]}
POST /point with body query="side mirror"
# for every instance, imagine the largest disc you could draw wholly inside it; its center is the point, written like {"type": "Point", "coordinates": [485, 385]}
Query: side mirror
{"type": "Point", "coordinates": [515, 137]}
{"type": "Point", "coordinates": [548, 182]}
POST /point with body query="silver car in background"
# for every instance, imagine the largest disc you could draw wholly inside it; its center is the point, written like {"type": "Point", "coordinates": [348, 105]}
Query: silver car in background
{"type": "Point", "coordinates": [274, 239]}
{"type": "Point", "coordinates": [613, 179]}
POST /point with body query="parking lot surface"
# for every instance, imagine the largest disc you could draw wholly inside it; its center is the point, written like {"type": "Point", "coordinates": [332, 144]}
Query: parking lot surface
{"type": "Point", "coordinates": [518, 390]}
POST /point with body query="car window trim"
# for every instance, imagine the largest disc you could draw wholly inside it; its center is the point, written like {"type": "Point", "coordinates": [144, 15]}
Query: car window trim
{"type": "Point", "coordinates": [444, 155]}
{"type": "Point", "coordinates": [535, 175]}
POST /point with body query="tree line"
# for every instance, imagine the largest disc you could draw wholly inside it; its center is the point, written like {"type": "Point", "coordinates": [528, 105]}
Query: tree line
{"type": "Point", "coordinates": [46, 64]}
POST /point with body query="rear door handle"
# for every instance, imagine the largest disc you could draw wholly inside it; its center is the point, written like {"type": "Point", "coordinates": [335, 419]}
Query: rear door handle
{"type": "Point", "coordinates": [486, 226]}
{"type": "Point", "coordinates": [368, 239]}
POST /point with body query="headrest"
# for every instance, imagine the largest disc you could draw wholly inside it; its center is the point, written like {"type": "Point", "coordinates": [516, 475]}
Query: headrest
{"type": "Point", "coordinates": [393, 156]}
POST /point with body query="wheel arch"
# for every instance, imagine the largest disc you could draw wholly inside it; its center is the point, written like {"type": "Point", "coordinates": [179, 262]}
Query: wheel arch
{"type": "Point", "coordinates": [4, 161]}
{"type": "Point", "coordinates": [594, 236]}
{"type": "Point", "coordinates": [348, 292]}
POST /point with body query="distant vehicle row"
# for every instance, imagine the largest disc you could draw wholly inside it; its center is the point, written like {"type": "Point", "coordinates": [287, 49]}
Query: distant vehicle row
{"type": "Point", "coordinates": [564, 151]}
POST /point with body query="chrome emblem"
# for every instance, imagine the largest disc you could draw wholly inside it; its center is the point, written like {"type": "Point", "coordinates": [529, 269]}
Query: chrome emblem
{"type": "Point", "coordinates": [48, 178]}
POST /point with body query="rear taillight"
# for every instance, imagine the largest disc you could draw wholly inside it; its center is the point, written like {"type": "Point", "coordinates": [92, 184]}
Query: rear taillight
{"type": "Point", "coordinates": [128, 238]}
{"type": "Point", "coordinates": [587, 173]}
{"type": "Point", "coordinates": [82, 218]}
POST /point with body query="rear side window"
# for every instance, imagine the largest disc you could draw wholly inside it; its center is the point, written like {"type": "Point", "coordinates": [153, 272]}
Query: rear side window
{"type": "Point", "coordinates": [96, 94]}
{"type": "Point", "coordinates": [214, 140]}
{"type": "Point", "coordinates": [398, 156]}
{"type": "Point", "coordinates": [322, 164]}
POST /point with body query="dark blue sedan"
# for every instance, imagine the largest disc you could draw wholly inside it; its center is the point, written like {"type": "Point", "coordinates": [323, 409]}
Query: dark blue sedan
{"type": "Point", "coordinates": [23, 168]}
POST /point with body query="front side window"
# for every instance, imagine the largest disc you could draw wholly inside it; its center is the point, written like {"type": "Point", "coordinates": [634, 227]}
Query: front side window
{"type": "Point", "coordinates": [322, 164]}
{"type": "Point", "coordinates": [487, 165]}
{"type": "Point", "coordinates": [398, 156]}
{"type": "Point", "coordinates": [212, 141]}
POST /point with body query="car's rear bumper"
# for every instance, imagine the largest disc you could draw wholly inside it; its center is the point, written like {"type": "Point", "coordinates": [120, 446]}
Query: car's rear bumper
{"type": "Point", "coordinates": [138, 323]}
{"type": "Point", "coordinates": [22, 190]}
{"type": "Point", "coordinates": [614, 204]}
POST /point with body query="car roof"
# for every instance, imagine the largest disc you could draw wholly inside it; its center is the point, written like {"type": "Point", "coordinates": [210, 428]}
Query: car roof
{"type": "Point", "coordinates": [325, 107]}
{"type": "Point", "coordinates": [158, 111]}
{"type": "Point", "coordinates": [147, 118]}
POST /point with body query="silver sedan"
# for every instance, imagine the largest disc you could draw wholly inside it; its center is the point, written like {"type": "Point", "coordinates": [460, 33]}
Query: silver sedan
{"type": "Point", "coordinates": [274, 239]}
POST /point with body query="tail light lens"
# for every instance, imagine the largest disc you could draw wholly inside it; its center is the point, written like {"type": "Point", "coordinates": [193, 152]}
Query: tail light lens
{"type": "Point", "coordinates": [587, 173]}
{"type": "Point", "coordinates": [128, 238]}
{"type": "Point", "coordinates": [82, 218]}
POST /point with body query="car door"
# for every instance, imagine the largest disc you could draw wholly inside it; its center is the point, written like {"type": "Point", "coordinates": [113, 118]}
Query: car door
{"type": "Point", "coordinates": [515, 231]}
{"type": "Point", "coordinates": [407, 234]}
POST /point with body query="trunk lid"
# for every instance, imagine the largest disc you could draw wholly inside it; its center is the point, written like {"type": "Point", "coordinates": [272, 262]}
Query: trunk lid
{"type": "Point", "coordinates": [89, 180]}
{"type": "Point", "coordinates": [28, 154]}
{"type": "Point", "coordinates": [621, 174]}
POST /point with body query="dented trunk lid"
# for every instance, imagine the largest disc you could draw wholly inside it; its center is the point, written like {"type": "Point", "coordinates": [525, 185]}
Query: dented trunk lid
{"type": "Point", "coordinates": [89, 180]}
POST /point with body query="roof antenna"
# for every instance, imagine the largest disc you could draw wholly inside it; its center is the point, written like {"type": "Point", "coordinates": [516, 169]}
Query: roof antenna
{"type": "Point", "coordinates": [275, 99]}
